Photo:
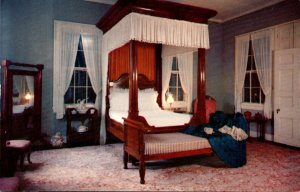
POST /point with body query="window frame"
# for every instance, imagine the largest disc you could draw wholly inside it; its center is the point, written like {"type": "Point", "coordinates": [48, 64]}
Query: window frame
{"type": "Point", "coordinates": [250, 105]}
{"type": "Point", "coordinates": [87, 87]}
{"type": "Point", "coordinates": [87, 79]}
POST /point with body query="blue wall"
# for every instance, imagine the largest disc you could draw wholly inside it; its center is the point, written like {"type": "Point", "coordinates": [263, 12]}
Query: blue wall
{"type": "Point", "coordinates": [27, 36]}
{"type": "Point", "coordinates": [213, 61]}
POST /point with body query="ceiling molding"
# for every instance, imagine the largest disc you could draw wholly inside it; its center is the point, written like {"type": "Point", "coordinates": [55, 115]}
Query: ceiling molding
{"type": "Point", "coordinates": [250, 11]}
{"type": "Point", "coordinates": [227, 9]}
{"type": "Point", "coordinates": [215, 20]}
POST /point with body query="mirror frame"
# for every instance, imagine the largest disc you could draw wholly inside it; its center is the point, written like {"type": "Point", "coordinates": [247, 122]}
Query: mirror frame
{"type": "Point", "coordinates": [9, 70]}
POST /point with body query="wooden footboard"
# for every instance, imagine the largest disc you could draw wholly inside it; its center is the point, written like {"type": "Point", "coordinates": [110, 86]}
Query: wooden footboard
{"type": "Point", "coordinates": [116, 129]}
{"type": "Point", "coordinates": [135, 134]}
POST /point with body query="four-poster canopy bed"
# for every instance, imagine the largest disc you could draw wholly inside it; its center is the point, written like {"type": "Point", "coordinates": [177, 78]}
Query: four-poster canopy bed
{"type": "Point", "coordinates": [133, 34]}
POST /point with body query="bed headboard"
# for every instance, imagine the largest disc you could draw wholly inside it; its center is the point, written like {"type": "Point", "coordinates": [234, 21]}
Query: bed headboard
{"type": "Point", "coordinates": [123, 82]}
{"type": "Point", "coordinates": [147, 59]}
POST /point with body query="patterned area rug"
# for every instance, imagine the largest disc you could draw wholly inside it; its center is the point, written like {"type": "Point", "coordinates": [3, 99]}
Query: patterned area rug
{"type": "Point", "coordinates": [100, 168]}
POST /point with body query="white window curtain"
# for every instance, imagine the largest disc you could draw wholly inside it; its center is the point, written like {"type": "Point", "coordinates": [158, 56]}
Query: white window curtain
{"type": "Point", "coordinates": [65, 68]}
{"type": "Point", "coordinates": [91, 46]}
{"type": "Point", "coordinates": [262, 48]}
{"type": "Point", "coordinates": [185, 67]}
{"type": "Point", "coordinates": [20, 85]}
{"type": "Point", "coordinates": [66, 39]}
{"type": "Point", "coordinates": [166, 75]}
{"type": "Point", "coordinates": [242, 48]}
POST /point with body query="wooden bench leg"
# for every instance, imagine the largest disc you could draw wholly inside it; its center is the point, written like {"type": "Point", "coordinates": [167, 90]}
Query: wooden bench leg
{"type": "Point", "coordinates": [24, 152]}
{"type": "Point", "coordinates": [125, 159]}
{"type": "Point", "coordinates": [28, 155]}
{"type": "Point", "coordinates": [22, 155]}
{"type": "Point", "coordinates": [142, 171]}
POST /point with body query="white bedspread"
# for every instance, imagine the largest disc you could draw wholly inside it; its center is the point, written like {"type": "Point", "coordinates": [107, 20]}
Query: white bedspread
{"type": "Point", "coordinates": [157, 118]}
{"type": "Point", "coordinates": [148, 108]}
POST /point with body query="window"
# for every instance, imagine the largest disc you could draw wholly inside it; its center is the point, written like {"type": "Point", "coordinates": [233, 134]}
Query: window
{"type": "Point", "coordinates": [80, 87]}
{"type": "Point", "coordinates": [175, 85]}
{"type": "Point", "coordinates": [252, 91]}
{"type": "Point", "coordinates": [76, 66]}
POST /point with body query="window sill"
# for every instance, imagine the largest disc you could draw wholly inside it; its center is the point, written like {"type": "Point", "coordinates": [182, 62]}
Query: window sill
{"type": "Point", "coordinates": [176, 104]}
{"type": "Point", "coordinates": [86, 105]}
{"type": "Point", "coordinates": [252, 106]}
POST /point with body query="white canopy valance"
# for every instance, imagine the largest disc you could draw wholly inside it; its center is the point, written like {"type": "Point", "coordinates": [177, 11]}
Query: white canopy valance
{"type": "Point", "coordinates": [153, 29]}
{"type": "Point", "coordinates": [150, 29]}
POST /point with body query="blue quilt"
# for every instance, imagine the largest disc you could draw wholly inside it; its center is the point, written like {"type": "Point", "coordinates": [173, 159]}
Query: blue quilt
{"type": "Point", "coordinates": [229, 150]}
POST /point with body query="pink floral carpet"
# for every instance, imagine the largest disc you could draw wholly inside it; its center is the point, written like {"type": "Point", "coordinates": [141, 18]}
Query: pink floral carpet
{"type": "Point", "coordinates": [100, 168]}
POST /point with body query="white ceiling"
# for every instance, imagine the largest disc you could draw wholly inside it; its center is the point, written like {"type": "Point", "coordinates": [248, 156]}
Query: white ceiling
{"type": "Point", "coordinates": [227, 9]}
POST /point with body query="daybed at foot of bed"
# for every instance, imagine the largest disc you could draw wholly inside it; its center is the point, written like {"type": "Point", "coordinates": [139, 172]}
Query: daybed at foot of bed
{"type": "Point", "coordinates": [144, 145]}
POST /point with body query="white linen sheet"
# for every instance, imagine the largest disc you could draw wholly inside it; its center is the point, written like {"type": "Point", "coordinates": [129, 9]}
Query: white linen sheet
{"type": "Point", "coordinates": [157, 118]}
{"type": "Point", "coordinates": [18, 109]}
{"type": "Point", "coordinates": [21, 108]}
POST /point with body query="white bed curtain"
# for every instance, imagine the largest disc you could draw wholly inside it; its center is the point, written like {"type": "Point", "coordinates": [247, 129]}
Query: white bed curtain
{"type": "Point", "coordinates": [149, 29]}
{"type": "Point", "coordinates": [262, 48]}
{"type": "Point", "coordinates": [242, 48]}
{"type": "Point", "coordinates": [91, 45]}
{"type": "Point", "coordinates": [166, 75]}
{"type": "Point", "coordinates": [185, 67]}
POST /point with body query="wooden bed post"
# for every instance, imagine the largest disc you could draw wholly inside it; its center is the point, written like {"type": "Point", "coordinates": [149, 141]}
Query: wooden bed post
{"type": "Point", "coordinates": [133, 82]}
{"type": "Point", "coordinates": [158, 72]}
{"type": "Point", "coordinates": [201, 89]}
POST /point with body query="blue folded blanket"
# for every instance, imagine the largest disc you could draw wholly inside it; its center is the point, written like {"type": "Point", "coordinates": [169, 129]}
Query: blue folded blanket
{"type": "Point", "coordinates": [229, 150]}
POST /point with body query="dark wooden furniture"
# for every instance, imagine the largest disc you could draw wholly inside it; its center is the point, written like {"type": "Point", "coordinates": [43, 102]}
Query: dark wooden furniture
{"type": "Point", "coordinates": [260, 121]}
{"type": "Point", "coordinates": [22, 148]}
{"type": "Point", "coordinates": [30, 127]}
{"type": "Point", "coordinates": [91, 135]}
{"type": "Point", "coordinates": [25, 125]}
{"type": "Point", "coordinates": [134, 146]}
{"type": "Point", "coordinates": [128, 59]}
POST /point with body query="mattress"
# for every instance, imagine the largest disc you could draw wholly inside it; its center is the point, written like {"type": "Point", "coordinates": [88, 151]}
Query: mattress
{"type": "Point", "coordinates": [157, 118]}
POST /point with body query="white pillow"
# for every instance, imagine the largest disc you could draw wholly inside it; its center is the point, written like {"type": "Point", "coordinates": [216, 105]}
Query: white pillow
{"type": "Point", "coordinates": [147, 100]}
{"type": "Point", "coordinates": [119, 99]}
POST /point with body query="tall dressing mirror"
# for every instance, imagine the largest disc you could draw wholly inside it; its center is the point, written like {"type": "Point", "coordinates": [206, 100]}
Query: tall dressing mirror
{"type": "Point", "coordinates": [21, 100]}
